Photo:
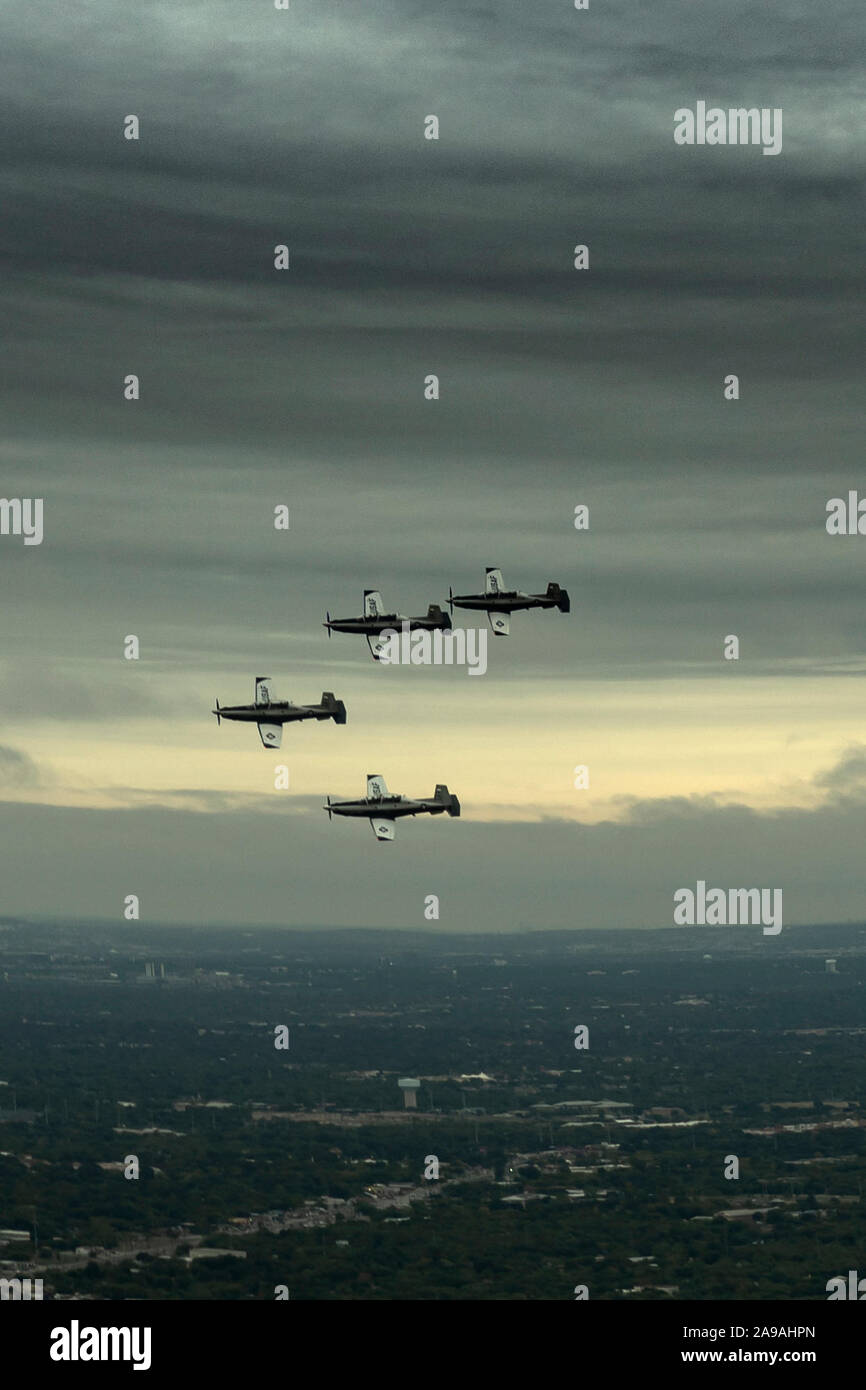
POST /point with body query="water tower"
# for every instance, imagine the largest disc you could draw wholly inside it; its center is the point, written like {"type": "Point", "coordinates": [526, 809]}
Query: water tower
{"type": "Point", "coordinates": [410, 1086]}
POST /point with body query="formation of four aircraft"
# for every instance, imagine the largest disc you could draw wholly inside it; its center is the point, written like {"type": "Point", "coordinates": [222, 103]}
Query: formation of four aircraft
{"type": "Point", "coordinates": [381, 807]}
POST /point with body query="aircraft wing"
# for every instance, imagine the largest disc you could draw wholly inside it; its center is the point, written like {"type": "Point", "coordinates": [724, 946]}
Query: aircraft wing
{"type": "Point", "coordinates": [373, 605]}
{"type": "Point", "coordinates": [263, 690]}
{"type": "Point", "coordinates": [376, 786]}
{"type": "Point", "coordinates": [501, 623]}
{"type": "Point", "coordinates": [383, 829]}
{"type": "Point", "coordinates": [377, 645]}
{"type": "Point", "coordinates": [493, 582]}
{"type": "Point", "coordinates": [271, 735]}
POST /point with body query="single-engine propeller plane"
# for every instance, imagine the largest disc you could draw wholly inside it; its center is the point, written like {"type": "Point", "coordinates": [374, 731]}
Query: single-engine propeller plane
{"type": "Point", "coordinates": [382, 809]}
{"type": "Point", "coordinates": [376, 621]}
{"type": "Point", "coordinates": [271, 715]}
{"type": "Point", "coordinates": [499, 603]}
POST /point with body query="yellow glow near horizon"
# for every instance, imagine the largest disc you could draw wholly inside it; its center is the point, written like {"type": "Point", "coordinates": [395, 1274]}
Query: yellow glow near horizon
{"type": "Point", "coordinates": [508, 751]}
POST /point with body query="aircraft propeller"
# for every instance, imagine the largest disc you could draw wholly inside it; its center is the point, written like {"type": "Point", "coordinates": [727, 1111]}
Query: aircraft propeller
{"type": "Point", "coordinates": [328, 807]}
{"type": "Point", "coordinates": [217, 713]}
{"type": "Point", "coordinates": [451, 599]}
{"type": "Point", "coordinates": [328, 623]}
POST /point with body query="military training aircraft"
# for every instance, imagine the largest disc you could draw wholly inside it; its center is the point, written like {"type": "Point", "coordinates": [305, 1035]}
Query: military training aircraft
{"type": "Point", "coordinates": [271, 715]}
{"type": "Point", "coordinates": [499, 603]}
{"type": "Point", "coordinates": [375, 621]}
{"type": "Point", "coordinates": [382, 809]}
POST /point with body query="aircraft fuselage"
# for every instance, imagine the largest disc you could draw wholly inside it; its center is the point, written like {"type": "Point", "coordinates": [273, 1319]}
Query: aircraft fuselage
{"type": "Point", "coordinates": [503, 603]}
{"type": "Point", "coordinates": [372, 627]}
{"type": "Point", "coordinates": [386, 807]}
{"type": "Point", "coordinates": [280, 712]}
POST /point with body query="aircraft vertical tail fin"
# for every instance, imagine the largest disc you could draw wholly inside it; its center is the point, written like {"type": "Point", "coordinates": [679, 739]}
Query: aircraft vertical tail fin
{"type": "Point", "coordinates": [373, 605]}
{"type": "Point", "coordinates": [493, 581]}
{"type": "Point", "coordinates": [563, 602]}
{"type": "Point", "coordinates": [335, 708]}
{"type": "Point", "coordinates": [448, 800]}
{"type": "Point", "coordinates": [435, 615]}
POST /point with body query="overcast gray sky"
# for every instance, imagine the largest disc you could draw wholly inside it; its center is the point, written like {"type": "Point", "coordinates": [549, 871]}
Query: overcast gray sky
{"type": "Point", "coordinates": [306, 387]}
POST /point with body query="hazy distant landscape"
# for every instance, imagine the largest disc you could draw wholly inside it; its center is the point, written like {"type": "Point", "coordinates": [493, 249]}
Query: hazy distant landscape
{"type": "Point", "coordinates": [601, 1166]}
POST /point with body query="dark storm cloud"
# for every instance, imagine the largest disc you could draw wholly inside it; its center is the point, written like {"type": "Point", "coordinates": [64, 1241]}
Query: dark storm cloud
{"type": "Point", "coordinates": [17, 770]}
{"type": "Point", "coordinates": [410, 256]}
{"type": "Point", "coordinates": [228, 157]}
{"type": "Point", "coordinates": [847, 779]}
{"type": "Point", "coordinates": [457, 225]}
